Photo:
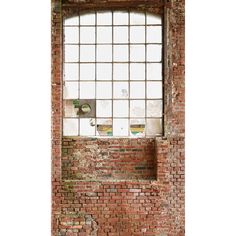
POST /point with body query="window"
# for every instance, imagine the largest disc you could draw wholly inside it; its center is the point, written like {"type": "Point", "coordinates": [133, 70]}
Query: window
{"type": "Point", "coordinates": [113, 74]}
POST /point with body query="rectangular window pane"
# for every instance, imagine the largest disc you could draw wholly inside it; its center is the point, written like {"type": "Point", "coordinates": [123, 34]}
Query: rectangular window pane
{"type": "Point", "coordinates": [87, 90]}
{"type": "Point", "coordinates": [87, 71]}
{"type": "Point", "coordinates": [137, 71]}
{"type": "Point", "coordinates": [104, 18]}
{"type": "Point", "coordinates": [71, 35]}
{"type": "Point", "coordinates": [87, 18]}
{"type": "Point", "coordinates": [154, 127]}
{"type": "Point", "coordinates": [104, 53]}
{"type": "Point", "coordinates": [120, 108]}
{"type": "Point", "coordinates": [104, 90]}
{"type": "Point", "coordinates": [70, 127]}
{"type": "Point", "coordinates": [70, 90]}
{"type": "Point", "coordinates": [121, 90]}
{"type": "Point", "coordinates": [121, 53]}
{"type": "Point", "coordinates": [72, 21]}
{"type": "Point", "coordinates": [154, 34]}
{"type": "Point", "coordinates": [154, 89]}
{"type": "Point", "coordinates": [71, 71]}
{"type": "Point", "coordinates": [137, 18]}
{"type": "Point", "coordinates": [87, 126]}
{"type": "Point", "coordinates": [87, 35]}
{"type": "Point", "coordinates": [137, 53]}
{"type": "Point", "coordinates": [104, 127]}
{"type": "Point", "coordinates": [120, 71]}
{"type": "Point", "coordinates": [120, 18]}
{"type": "Point", "coordinates": [154, 71]}
{"type": "Point", "coordinates": [120, 127]}
{"type": "Point", "coordinates": [137, 127]}
{"type": "Point", "coordinates": [154, 108]}
{"type": "Point", "coordinates": [137, 89]}
{"type": "Point", "coordinates": [104, 108]}
{"type": "Point", "coordinates": [69, 109]}
{"type": "Point", "coordinates": [120, 34]}
{"type": "Point", "coordinates": [104, 71]}
{"type": "Point", "coordinates": [137, 108]}
{"type": "Point", "coordinates": [153, 19]}
{"type": "Point", "coordinates": [104, 34]}
{"type": "Point", "coordinates": [154, 52]}
{"type": "Point", "coordinates": [87, 53]}
{"type": "Point", "coordinates": [71, 53]}
{"type": "Point", "coordinates": [137, 34]}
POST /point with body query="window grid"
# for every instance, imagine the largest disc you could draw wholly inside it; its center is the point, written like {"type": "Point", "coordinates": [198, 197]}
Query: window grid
{"type": "Point", "coordinates": [112, 107]}
{"type": "Point", "coordinates": [113, 62]}
{"type": "Point", "coordinates": [129, 68]}
{"type": "Point", "coordinates": [95, 65]}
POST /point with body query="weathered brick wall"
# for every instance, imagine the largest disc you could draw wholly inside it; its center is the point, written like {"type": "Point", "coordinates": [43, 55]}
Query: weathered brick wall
{"type": "Point", "coordinates": [109, 158]}
{"type": "Point", "coordinates": [114, 206]}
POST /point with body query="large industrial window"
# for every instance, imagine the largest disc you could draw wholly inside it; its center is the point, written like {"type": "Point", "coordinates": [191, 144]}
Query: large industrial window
{"type": "Point", "coordinates": [112, 74]}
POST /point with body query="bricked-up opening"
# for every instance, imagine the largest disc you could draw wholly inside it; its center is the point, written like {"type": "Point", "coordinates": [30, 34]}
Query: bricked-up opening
{"type": "Point", "coordinates": [108, 159]}
{"type": "Point", "coordinates": [113, 74]}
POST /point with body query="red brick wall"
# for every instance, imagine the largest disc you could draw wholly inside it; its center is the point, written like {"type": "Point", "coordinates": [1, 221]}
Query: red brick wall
{"type": "Point", "coordinates": [113, 206]}
{"type": "Point", "coordinates": [108, 158]}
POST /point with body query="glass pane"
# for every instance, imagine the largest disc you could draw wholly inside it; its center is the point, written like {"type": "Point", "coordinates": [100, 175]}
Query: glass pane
{"type": "Point", "coordinates": [120, 108]}
{"type": "Point", "coordinates": [104, 71]}
{"type": "Point", "coordinates": [87, 71]}
{"type": "Point", "coordinates": [137, 127]}
{"type": "Point", "coordinates": [104, 53]}
{"type": "Point", "coordinates": [87, 53]}
{"type": "Point", "coordinates": [71, 34]}
{"type": "Point", "coordinates": [70, 90]}
{"type": "Point", "coordinates": [120, 34]}
{"type": "Point", "coordinates": [104, 108]}
{"type": "Point", "coordinates": [153, 19]}
{"type": "Point", "coordinates": [137, 108]}
{"type": "Point", "coordinates": [87, 19]}
{"type": "Point", "coordinates": [137, 53]}
{"type": "Point", "coordinates": [120, 18]}
{"type": "Point", "coordinates": [154, 34]}
{"type": "Point", "coordinates": [104, 34]}
{"type": "Point", "coordinates": [87, 90]}
{"type": "Point", "coordinates": [137, 71]}
{"type": "Point", "coordinates": [120, 127]}
{"type": "Point", "coordinates": [87, 35]}
{"type": "Point", "coordinates": [154, 127]}
{"type": "Point", "coordinates": [137, 18]}
{"type": "Point", "coordinates": [104, 127]}
{"type": "Point", "coordinates": [104, 90]}
{"type": "Point", "coordinates": [121, 71]}
{"type": "Point", "coordinates": [70, 127]}
{"type": "Point", "coordinates": [71, 72]}
{"type": "Point", "coordinates": [137, 34]}
{"type": "Point", "coordinates": [137, 89]}
{"type": "Point", "coordinates": [72, 21]}
{"type": "Point", "coordinates": [154, 71]}
{"type": "Point", "coordinates": [154, 89]}
{"type": "Point", "coordinates": [154, 52]}
{"type": "Point", "coordinates": [87, 126]}
{"type": "Point", "coordinates": [69, 109]}
{"type": "Point", "coordinates": [121, 90]}
{"type": "Point", "coordinates": [71, 53]}
{"type": "Point", "coordinates": [154, 108]}
{"type": "Point", "coordinates": [120, 53]}
{"type": "Point", "coordinates": [104, 18]}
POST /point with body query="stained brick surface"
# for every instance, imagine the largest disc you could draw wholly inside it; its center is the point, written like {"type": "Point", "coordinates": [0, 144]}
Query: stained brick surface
{"type": "Point", "coordinates": [122, 200]}
{"type": "Point", "coordinates": [112, 158]}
